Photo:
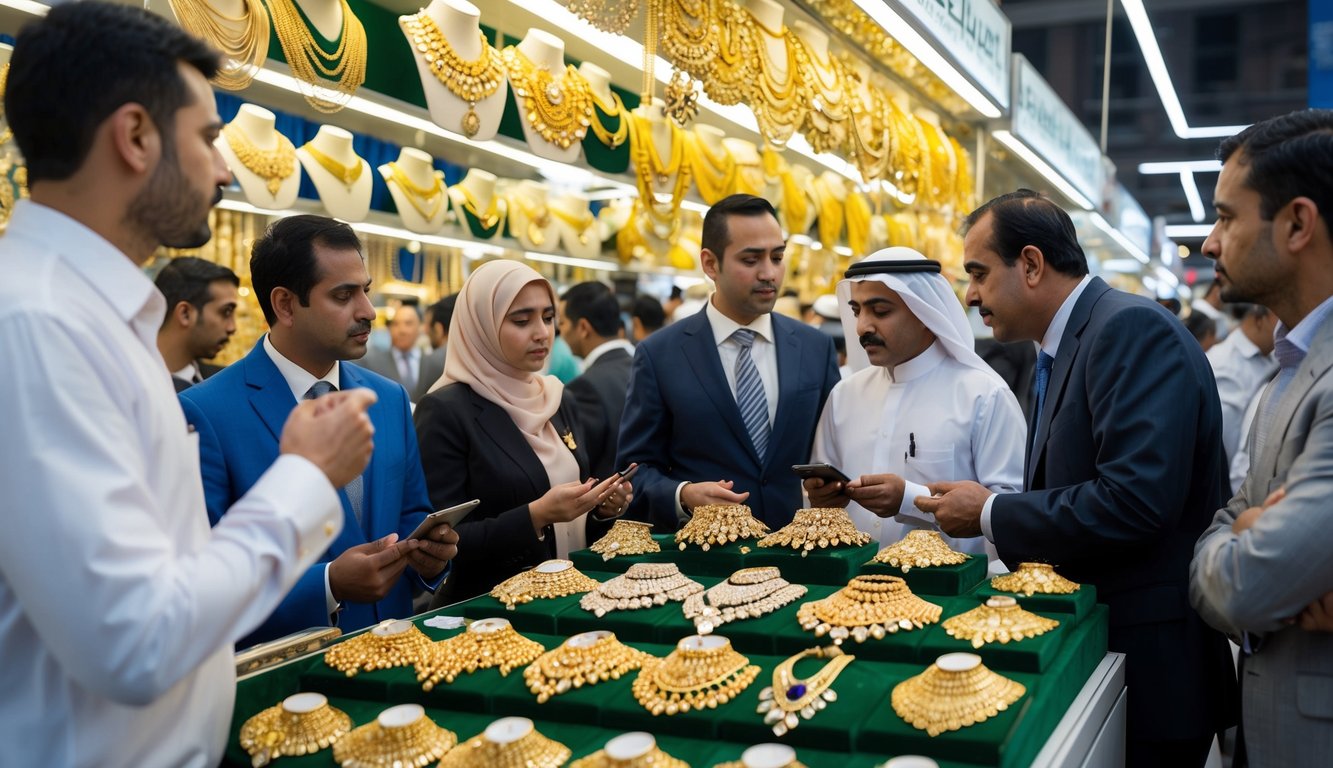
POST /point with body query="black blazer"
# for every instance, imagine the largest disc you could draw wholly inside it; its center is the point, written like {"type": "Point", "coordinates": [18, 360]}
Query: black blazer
{"type": "Point", "coordinates": [600, 394]}
{"type": "Point", "coordinates": [1127, 472]}
{"type": "Point", "coordinates": [470, 449]}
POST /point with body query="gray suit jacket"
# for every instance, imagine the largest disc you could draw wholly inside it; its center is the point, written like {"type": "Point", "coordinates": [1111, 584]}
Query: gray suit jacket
{"type": "Point", "coordinates": [381, 361]}
{"type": "Point", "coordinates": [1254, 582]}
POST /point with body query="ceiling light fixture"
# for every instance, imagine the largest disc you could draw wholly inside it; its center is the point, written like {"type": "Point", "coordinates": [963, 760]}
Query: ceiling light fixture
{"type": "Point", "coordinates": [1042, 167]}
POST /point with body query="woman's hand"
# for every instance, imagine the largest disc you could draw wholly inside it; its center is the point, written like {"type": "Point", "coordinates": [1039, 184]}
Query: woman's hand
{"type": "Point", "coordinates": [616, 502]}
{"type": "Point", "coordinates": [567, 501]}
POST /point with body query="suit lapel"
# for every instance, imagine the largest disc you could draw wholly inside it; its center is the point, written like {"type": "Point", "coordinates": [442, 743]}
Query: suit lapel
{"type": "Point", "coordinates": [1315, 364]}
{"type": "Point", "coordinates": [700, 351]}
{"type": "Point", "coordinates": [497, 425]}
{"type": "Point", "coordinates": [269, 394]}
{"type": "Point", "coordinates": [353, 377]}
{"type": "Point", "coordinates": [788, 352]}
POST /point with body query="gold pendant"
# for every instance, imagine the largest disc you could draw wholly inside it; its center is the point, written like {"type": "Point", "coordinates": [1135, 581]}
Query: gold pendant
{"type": "Point", "coordinates": [471, 123]}
{"type": "Point", "coordinates": [568, 437]}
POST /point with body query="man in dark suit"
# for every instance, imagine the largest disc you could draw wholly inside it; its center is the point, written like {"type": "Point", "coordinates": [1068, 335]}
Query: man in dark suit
{"type": "Point", "coordinates": [312, 285]}
{"type": "Point", "coordinates": [201, 317]}
{"type": "Point", "coordinates": [590, 323]}
{"type": "Point", "coordinates": [404, 361]}
{"type": "Point", "coordinates": [721, 403]}
{"type": "Point", "coordinates": [1124, 466]}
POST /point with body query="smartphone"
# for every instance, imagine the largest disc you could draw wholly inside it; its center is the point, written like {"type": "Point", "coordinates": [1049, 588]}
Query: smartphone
{"type": "Point", "coordinates": [452, 516]}
{"type": "Point", "coordinates": [826, 472]}
{"type": "Point", "coordinates": [627, 473]}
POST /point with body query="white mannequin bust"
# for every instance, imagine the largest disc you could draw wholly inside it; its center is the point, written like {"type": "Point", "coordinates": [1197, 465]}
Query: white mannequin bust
{"type": "Point", "coordinates": [326, 16]}
{"type": "Point", "coordinates": [599, 81]}
{"type": "Point", "coordinates": [546, 51]}
{"type": "Point", "coordinates": [423, 213]}
{"type": "Point", "coordinates": [614, 216]}
{"type": "Point", "coordinates": [476, 192]}
{"type": "Point", "coordinates": [529, 221]}
{"type": "Point", "coordinates": [349, 201]}
{"type": "Point", "coordinates": [749, 166]}
{"type": "Point", "coordinates": [257, 126]}
{"type": "Point", "coordinates": [667, 142]}
{"type": "Point", "coordinates": [459, 24]}
{"type": "Point", "coordinates": [769, 14]}
{"type": "Point", "coordinates": [573, 221]}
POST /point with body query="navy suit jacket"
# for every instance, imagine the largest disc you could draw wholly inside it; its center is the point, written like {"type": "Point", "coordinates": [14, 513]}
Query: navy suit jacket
{"type": "Point", "coordinates": [600, 394]}
{"type": "Point", "coordinates": [1126, 473]}
{"type": "Point", "coordinates": [239, 415]}
{"type": "Point", "coordinates": [681, 421]}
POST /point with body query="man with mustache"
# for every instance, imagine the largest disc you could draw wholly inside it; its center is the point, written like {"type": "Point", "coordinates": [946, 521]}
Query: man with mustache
{"type": "Point", "coordinates": [201, 317]}
{"type": "Point", "coordinates": [723, 402]}
{"type": "Point", "coordinates": [921, 406]}
{"type": "Point", "coordinates": [311, 282]}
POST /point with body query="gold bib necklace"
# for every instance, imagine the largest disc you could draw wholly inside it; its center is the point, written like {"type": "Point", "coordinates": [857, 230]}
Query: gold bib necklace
{"type": "Point", "coordinates": [347, 174]}
{"type": "Point", "coordinates": [687, 37]}
{"type": "Point", "coordinates": [471, 81]}
{"type": "Point", "coordinates": [425, 200]}
{"type": "Point", "coordinates": [274, 166]}
{"type": "Point", "coordinates": [344, 70]}
{"type": "Point", "coordinates": [242, 40]}
{"type": "Point", "coordinates": [560, 111]}
{"type": "Point", "coordinates": [731, 74]}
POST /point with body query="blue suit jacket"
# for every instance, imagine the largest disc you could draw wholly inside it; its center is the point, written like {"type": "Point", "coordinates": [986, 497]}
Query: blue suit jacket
{"type": "Point", "coordinates": [681, 422]}
{"type": "Point", "coordinates": [239, 415]}
{"type": "Point", "coordinates": [1126, 472]}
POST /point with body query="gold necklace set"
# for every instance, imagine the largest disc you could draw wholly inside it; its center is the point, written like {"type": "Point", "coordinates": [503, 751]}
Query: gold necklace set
{"type": "Point", "coordinates": [347, 174]}
{"type": "Point", "coordinates": [817, 528]}
{"type": "Point", "coordinates": [831, 210]}
{"type": "Point", "coordinates": [868, 607]}
{"type": "Point", "coordinates": [731, 75]}
{"type": "Point", "coordinates": [532, 750]}
{"type": "Point", "coordinates": [653, 758]}
{"type": "Point", "coordinates": [388, 645]}
{"type": "Point", "coordinates": [553, 578]}
{"type": "Point", "coordinates": [920, 548]}
{"type": "Point", "coordinates": [301, 725]}
{"type": "Point", "coordinates": [626, 537]}
{"type": "Point", "coordinates": [343, 70]}
{"type": "Point", "coordinates": [713, 172]}
{"type": "Point", "coordinates": [486, 643]}
{"type": "Point", "coordinates": [559, 110]}
{"type": "Point", "coordinates": [472, 81]}
{"type": "Point", "coordinates": [858, 216]}
{"type": "Point", "coordinates": [719, 524]}
{"type": "Point", "coordinates": [532, 219]}
{"type": "Point", "coordinates": [644, 585]}
{"type": "Point", "coordinates": [274, 166]}
{"type": "Point", "coordinates": [700, 673]}
{"type": "Point", "coordinates": [999, 619]}
{"type": "Point", "coordinates": [612, 16]}
{"type": "Point", "coordinates": [652, 172]}
{"type": "Point", "coordinates": [375, 744]}
{"type": "Point", "coordinates": [1031, 578]}
{"type": "Point", "coordinates": [580, 224]}
{"type": "Point", "coordinates": [611, 139]}
{"type": "Point", "coordinates": [483, 224]}
{"type": "Point", "coordinates": [586, 659]}
{"type": "Point", "coordinates": [953, 693]}
{"type": "Point", "coordinates": [826, 96]}
{"type": "Point", "coordinates": [790, 698]}
{"type": "Point", "coordinates": [686, 34]}
{"type": "Point", "coordinates": [778, 106]}
{"type": "Point", "coordinates": [426, 201]}
{"type": "Point", "coordinates": [746, 594]}
{"type": "Point", "coordinates": [242, 40]}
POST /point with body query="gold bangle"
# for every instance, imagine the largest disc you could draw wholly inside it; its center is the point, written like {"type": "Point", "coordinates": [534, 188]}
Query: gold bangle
{"type": "Point", "coordinates": [510, 742]}
{"type": "Point", "coordinates": [818, 527]}
{"type": "Point", "coordinates": [302, 724]}
{"type": "Point", "coordinates": [400, 736]}
{"type": "Point", "coordinates": [584, 659]}
{"type": "Point", "coordinates": [869, 606]}
{"type": "Point", "coordinates": [626, 537]}
{"type": "Point", "coordinates": [790, 696]}
{"type": "Point", "coordinates": [636, 749]}
{"type": "Point", "coordinates": [486, 643]}
{"type": "Point", "coordinates": [391, 643]}
{"type": "Point", "coordinates": [1031, 578]}
{"type": "Point", "coordinates": [746, 594]}
{"type": "Point", "coordinates": [719, 524]}
{"type": "Point", "coordinates": [953, 693]}
{"type": "Point", "coordinates": [920, 548]}
{"type": "Point", "coordinates": [644, 585]}
{"type": "Point", "coordinates": [999, 618]}
{"type": "Point", "coordinates": [702, 672]}
{"type": "Point", "coordinates": [553, 578]}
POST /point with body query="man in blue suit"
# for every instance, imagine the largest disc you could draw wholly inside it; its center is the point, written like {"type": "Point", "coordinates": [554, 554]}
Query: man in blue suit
{"type": "Point", "coordinates": [1124, 466]}
{"type": "Point", "coordinates": [311, 283]}
{"type": "Point", "coordinates": [722, 403]}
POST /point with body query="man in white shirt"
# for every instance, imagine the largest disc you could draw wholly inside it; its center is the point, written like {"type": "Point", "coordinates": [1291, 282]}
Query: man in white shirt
{"type": "Point", "coordinates": [921, 406]}
{"type": "Point", "coordinates": [201, 317]}
{"type": "Point", "coordinates": [1242, 363]}
{"type": "Point", "coordinates": [590, 322]}
{"type": "Point", "coordinates": [118, 604]}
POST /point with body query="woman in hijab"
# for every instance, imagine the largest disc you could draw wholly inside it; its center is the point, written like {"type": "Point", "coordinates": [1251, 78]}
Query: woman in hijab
{"type": "Point", "coordinates": [494, 428]}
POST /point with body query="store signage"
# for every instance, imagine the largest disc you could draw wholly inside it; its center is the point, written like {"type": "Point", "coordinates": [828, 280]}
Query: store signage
{"type": "Point", "coordinates": [973, 33]}
{"type": "Point", "coordinates": [1043, 122]}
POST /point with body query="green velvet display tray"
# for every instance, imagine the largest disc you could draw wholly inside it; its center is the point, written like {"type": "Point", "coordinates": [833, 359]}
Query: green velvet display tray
{"type": "Point", "coordinates": [1079, 603]}
{"type": "Point", "coordinates": [1033, 654]}
{"type": "Point", "coordinates": [947, 580]}
{"type": "Point", "coordinates": [835, 565]}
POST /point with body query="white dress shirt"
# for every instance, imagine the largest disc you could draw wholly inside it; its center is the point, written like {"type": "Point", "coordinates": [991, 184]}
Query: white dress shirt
{"type": "Point", "coordinates": [928, 420]}
{"type": "Point", "coordinates": [603, 348]}
{"type": "Point", "coordinates": [1241, 370]}
{"type": "Point", "coordinates": [118, 604]}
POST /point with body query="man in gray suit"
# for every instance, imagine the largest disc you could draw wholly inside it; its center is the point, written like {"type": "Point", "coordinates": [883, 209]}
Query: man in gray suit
{"type": "Point", "coordinates": [590, 323]}
{"type": "Point", "coordinates": [403, 361]}
{"type": "Point", "coordinates": [1262, 570]}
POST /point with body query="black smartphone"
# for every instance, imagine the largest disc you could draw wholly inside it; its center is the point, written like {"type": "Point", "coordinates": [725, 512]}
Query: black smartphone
{"type": "Point", "coordinates": [627, 473]}
{"type": "Point", "coordinates": [452, 516]}
{"type": "Point", "coordinates": [826, 472]}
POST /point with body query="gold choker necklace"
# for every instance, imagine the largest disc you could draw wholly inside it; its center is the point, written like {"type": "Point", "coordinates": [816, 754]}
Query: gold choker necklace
{"type": "Point", "coordinates": [274, 166]}
{"type": "Point", "coordinates": [482, 224]}
{"type": "Point", "coordinates": [347, 174]}
{"type": "Point", "coordinates": [471, 81]}
{"type": "Point", "coordinates": [560, 111]}
{"type": "Point", "coordinates": [701, 673]}
{"type": "Point", "coordinates": [425, 200]}
{"type": "Point", "coordinates": [611, 139]}
{"type": "Point", "coordinates": [344, 70]}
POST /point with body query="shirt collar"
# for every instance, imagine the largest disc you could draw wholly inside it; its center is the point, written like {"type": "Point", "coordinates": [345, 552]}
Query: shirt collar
{"type": "Point", "coordinates": [1243, 344]}
{"type": "Point", "coordinates": [299, 380]}
{"type": "Point", "coordinates": [603, 348]}
{"type": "Point", "coordinates": [918, 366]}
{"type": "Point", "coordinates": [1050, 343]}
{"type": "Point", "coordinates": [724, 326]}
{"type": "Point", "coordinates": [188, 373]}
{"type": "Point", "coordinates": [412, 354]}
{"type": "Point", "coordinates": [1303, 334]}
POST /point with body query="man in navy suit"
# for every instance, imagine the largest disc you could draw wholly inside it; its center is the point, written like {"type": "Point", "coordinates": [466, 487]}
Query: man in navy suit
{"type": "Point", "coordinates": [722, 403]}
{"type": "Point", "coordinates": [311, 282]}
{"type": "Point", "coordinates": [1124, 468]}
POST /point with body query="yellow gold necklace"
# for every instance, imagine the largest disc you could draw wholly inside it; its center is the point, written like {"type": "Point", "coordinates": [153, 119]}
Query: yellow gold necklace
{"type": "Point", "coordinates": [687, 36]}
{"type": "Point", "coordinates": [344, 70]}
{"type": "Point", "coordinates": [425, 200]}
{"type": "Point", "coordinates": [537, 218]}
{"type": "Point", "coordinates": [347, 174]}
{"type": "Point", "coordinates": [488, 220]}
{"type": "Point", "coordinates": [242, 40]}
{"type": "Point", "coordinates": [272, 165]}
{"type": "Point", "coordinates": [870, 135]}
{"type": "Point", "coordinates": [963, 184]}
{"type": "Point", "coordinates": [650, 169]}
{"type": "Point", "coordinates": [776, 106]}
{"type": "Point", "coordinates": [730, 76]}
{"type": "Point", "coordinates": [830, 213]}
{"type": "Point", "coordinates": [906, 150]}
{"type": "Point", "coordinates": [858, 215]}
{"type": "Point", "coordinates": [611, 139]}
{"type": "Point", "coordinates": [713, 173]}
{"type": "Point", "coordinates": [560, 111]}
{"type": "Point", "coordinates": [580, 224]}
{"type": "Point", "coordinates": [471, 81]}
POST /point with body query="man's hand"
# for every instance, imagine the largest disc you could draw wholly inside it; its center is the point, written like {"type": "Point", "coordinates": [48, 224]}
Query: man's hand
{"type": "Point", "coordinates": [825, 493]}
{"type": "Point", "coordinates": [701, 494]}
{"type": "Point", "coordinates": [1251, 516]}
{"type": "Point", "coordinates": [333, 432]}
{"type": "Point", "coordinates": [434, 551]}
{"type": "Point", "coordinates": [956, 506]}
{"type": "Point", "coordinates": [881, 494]}
{"type": "Point", "coordinates": [567, 501]}
{"type": "Point", "coordinates": [365, 573]}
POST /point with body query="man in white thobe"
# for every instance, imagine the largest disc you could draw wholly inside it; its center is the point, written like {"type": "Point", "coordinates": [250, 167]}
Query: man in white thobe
{"type": "Point", "coordinates": [921, 406]}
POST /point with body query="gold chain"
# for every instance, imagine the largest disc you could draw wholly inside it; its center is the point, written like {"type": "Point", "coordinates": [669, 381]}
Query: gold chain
{"type": "Point", "coordinates": [731, 76]}
{"type": "Point", "coordinates": [487, 220]}
{"type": "Point", "coordinates": [244, 49]}
{"type": "Point", "coordinates": [426, 200]}
{"type": "Point", "coordinates": [580, 224]}
{"type": "Point", "coordinates": [471, 81]}
{"type": "Point", "coordinates": [272, 165]}
{"type": "Point", "coordinates": [686, 35]}
{"type": "Point", "coordinates": [560, 111]}
{"type": "Point", "coordinates": [713, 173]}
{"type": "Point", "coordinates": [777, 105]}
{"type": "Point", "coordinates": [611, 139]}
{"type": "Point", "coordinates": [650, 169]}
{"type": "Point", "coordinates": [343, 70]}
{"type": "Point", "coordinates": [537, 217]}
{"type": "Point", "coordinates": [347, 174]}
{"type": "Point", "coordinates": [611, 16]}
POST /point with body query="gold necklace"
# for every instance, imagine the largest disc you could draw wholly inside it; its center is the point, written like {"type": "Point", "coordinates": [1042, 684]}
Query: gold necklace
{"type": "Point", "coordinates": [825, 121]}
{"type": "Point", "coordinates": [612, 16]}
{"type": "Point", "coordinates": [426, 200]}
{"type": "Point", "coordinates": [242, 40]}
{"type": "Point", "coordinates": [7, 134]}
{"type": "Point", "coordinates": [686, 35]}
{"type": "Point", "coordinates": [537, 217]}
{"type": "Point", "coordinates": [610, 139]}
{"type": "Point", "coordinates": [471, 81]}
{"type": "Point", "coordinates": [713, 173]}
{"type": "Point", "coordinates": [649, 169]}
{"type": "Point", "coordinates": [858, 223]}
{"type": "Point", "coordinates": [777, 108]}
{"type": "Point", "coordinates": [730, 77]}
{"type": "Point", "coordinates": [274, 166]}
{"type": "Point", "coordinates": [963, 192]}
{"type": "Point", "coordinates": [906, 150]}
{"type": "Point", "coordinates": [347, 174]}
{"type": "Point", "coordinates": [869, 133]}
{"type": "Point", "coordinates": [830, 213]}
{"type": "Point", "coordinates": [699, 674]}
{"type": "Point", "coordinates": [488, 220]}
{"type": "Point", "coordinates": [560, 111]}
{"type": "Point", "coordinates": [790, 695]}
{"type": "Point", "coordinates": [580, 224]}
{"type": "Point", "coordinates": [344, 70]}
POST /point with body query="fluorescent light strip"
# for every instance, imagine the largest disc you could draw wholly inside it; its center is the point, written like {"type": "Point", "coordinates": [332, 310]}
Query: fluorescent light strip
{"type": "Point", "coordinates": [1050, 174]}
{"type": "Point", "coordinates": [1118, 236]}
{"type": "Point", "coordinates": [1166, 276]}
{"type": "Point", "coordinates": [1161, 78]}
{"type": "Point", "coordinates": [1188, 231]}
{"type": "Point", "coordinates": [1177, 166]}
{"type": "Point", "coordinates": [369, 228]}
{"type": "Point", "coordinates": [27, 6]}
{"type": "Point", "coordinates": [572, 261]}
{"type": "Point", "coordinates": [1192, 195]}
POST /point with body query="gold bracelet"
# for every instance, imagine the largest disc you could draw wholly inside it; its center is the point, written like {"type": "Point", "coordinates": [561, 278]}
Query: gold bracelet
{"type": "Point", "coordinates": [790, 695]}
{"type": "Point", "coordinates": [486, 643]}
{"type": "Point", "coordinates": [636, 749]}
{"type": "Point", "coordinates": [702, 672]}
{"type": "Point", "coordinates": [1000, 619]}
{"type": "Point", "coordinates": [302, 724]}
{"type": "Point", "coordinates": [953, 693]}
{"type": "Point", "coordinates": [920, 548]}
{"type": "Point", "coordinates": [779, 755]}
{"type": "Point", "coordinates": [869, 606]}
{"type": "Point", "coordinates": [747, 594]}
{"type": "Point", "coordinates": [1031, 578]}
{"type": "Point", "coordinates": [510, 742]}
{"type": "Point", "coordinates": [584, 659]}
{"type": "Point", "coordinates": [400, 736]}
{"type": "Point", "coordinates": [391, 643]}
{"type": "Point", "coordinates": [719, 524]}
{"type": "Point", "coordinates": [644, 585]}
{"type": "Point", "coordinates": [818, 527]}
{"type": "Point", "coordinates": [626, 537]}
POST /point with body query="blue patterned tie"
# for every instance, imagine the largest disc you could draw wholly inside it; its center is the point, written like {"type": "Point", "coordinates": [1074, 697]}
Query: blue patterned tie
{"type": "Point", "coordinates": [355, 491]}
{"type": "Point", "coordinates": [1044, 364]}
{"type": "Point", "coordinates": [750, 396]}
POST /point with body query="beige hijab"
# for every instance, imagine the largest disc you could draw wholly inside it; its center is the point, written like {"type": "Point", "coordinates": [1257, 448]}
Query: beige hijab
{"type": "Point", "coordinates": [530, 399]}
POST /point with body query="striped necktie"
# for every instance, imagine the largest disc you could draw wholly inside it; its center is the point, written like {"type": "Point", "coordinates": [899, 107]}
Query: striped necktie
{"type": "Point", "coordinates": [1044, 364]}
{"type": "Point", "coordinates": [355, 489]}
{"type": "Point", "coordinates": [750, 395]}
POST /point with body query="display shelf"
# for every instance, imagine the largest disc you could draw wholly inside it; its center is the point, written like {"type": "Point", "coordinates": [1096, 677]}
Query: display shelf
{"type": "Point", "coordinates": [835, 565]}
{"type": "Point", "coordinates": [935, 580]}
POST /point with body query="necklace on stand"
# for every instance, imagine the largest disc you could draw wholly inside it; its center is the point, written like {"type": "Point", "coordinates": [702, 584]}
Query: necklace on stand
{"type": "Point", "coordinates": [343, 70]}
{"type": "Point", "coordinates": [535, 217]}
{"type": "Point", "coordinates": [777, 105]}
{"type": "Point", "coordinates": [483, 224]}
{"type": "Point", "coordinates": [427, 201]}
{"type": "Point", "coordinates": [581, 224]}
{"type": "Point", "coordinates": [713, 173]}
{"type": "Point", "coordinates": [471, 81]}
{"type": "Point", "coordinates": [652, 172]}
{"type": "Point", "coordinates": [242, 40]}
{"type": "Point", "coordinates": [616, 109]}
{"type": "Point", "coordinates": [347, 174]}
{"type": "Point", "coordinates": [730, 77]}
{"type": "Point", "coordinates": [687, 37]}
{"type": "Point", "coordinates": [274, 166]}
{"type": "Point", "coordinates": [560, 111]}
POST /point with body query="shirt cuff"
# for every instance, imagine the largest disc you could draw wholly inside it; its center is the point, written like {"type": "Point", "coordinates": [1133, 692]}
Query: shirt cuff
{"type": "Point", "coordinates": [907, 510]}
{"type": "Point", "coordinates": [332, 605]}
{"type": "Point", "coordinates": [985, 518]}
{"type": "Point", "coordinates": [434, 584]}
{"type": "Point", "coordinates": [682, 514]}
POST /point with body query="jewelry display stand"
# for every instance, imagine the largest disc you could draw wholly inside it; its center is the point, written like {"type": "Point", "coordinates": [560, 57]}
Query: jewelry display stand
{"type": "Point", "coordinates": [459, 54]}
{"type": "Point", "coordinates": [270, 179]}
{"type": "Point", "coordinates": [417, 190]}
{"type": "Point", "coordinates": [341, 178]}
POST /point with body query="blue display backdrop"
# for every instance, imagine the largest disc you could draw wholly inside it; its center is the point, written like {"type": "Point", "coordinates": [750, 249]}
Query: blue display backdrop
{"type": "Point", "coordinates": [1321, 54]}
